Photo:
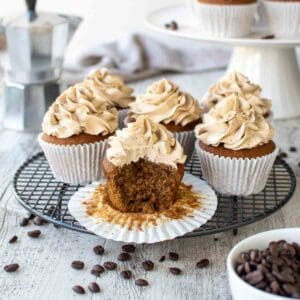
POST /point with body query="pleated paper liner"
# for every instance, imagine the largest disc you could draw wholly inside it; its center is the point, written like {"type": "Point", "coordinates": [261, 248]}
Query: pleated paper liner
{"type": "Point", "coordinates": [197, 204]}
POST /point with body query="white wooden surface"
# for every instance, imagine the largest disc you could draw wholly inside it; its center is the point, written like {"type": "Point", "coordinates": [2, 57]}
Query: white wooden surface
{"type": "Point", "coordinates": [45, 271]}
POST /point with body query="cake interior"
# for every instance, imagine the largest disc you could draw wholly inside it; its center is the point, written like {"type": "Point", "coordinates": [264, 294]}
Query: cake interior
{"type": "Point", "coordinates": [142, 186]}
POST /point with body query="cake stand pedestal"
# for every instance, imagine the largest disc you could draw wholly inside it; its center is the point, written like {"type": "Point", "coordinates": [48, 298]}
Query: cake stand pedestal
{"type": "Point", "coordinates": [272, 63]}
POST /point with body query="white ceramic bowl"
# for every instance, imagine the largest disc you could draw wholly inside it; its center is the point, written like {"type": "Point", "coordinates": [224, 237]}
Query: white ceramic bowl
{"type": "Point", "coordinates": [239, 288]}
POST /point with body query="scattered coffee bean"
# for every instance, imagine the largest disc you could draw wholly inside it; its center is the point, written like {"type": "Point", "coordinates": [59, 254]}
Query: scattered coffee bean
{"type": "Point", "coordinates": [124, 256]}
{"type": "Point", "coordinates": [148, 265]}
{"type": "Point", "coordinates": [175, 271]}
{"type": "Point", "coordinates": [97, 270]}
{"type": "Point", "coordinates": [94, 287]}
{"type": "Point", "coordinates": [34, 233]}
{"type": "Point", "coordinates": [126, 274]}
{"type": "Point", "coordinates": [173, 256]}
{"type": "Point", "coordinates": [110, 265]}
{"type": "Point", "coordinates": [293, 149]}
{"type": "Point", "coordinates": [268, 37]}
{"type": "Point", "coordinates": [172, 25]}
{"type": "Point", "coordinates": [78, 289]}
{"type": "Point", "coordinates": [24, 222]}
{"type": "Point", "coordinates": [77, 264]}
{"type": "Point", "coordinates": [141, 282]}
{"type": "Point", "coordinates": [13, 239]}
{"type": "Point", "coordinates": [99, 250]}
{"type": "Point", "coordinates": [203, 263]}
{"type": "Point", "coordinates": [11, 268]}
{"type": "Point", "coordinates": [31, 216]}
{"type": "Point", "coordinates": [128, 248]}
{"type": "Point", "coordinates": [282, 155]}
{"type": "Point", "coordinates": [51, 210]}
{"type": "Point", "coordinates": [162, 259]}
{"type": "Point", "coordinates": [39, 221]}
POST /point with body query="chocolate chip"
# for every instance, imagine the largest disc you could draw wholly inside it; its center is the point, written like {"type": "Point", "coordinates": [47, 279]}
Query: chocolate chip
{"type": "Point", "coordinates": [77, 264]}
{"type": "Point", "coordinates": [173, 256]}
{"type": "Point", "coordinates": [128, 248]}
{"type": "Point", "coordinates": [24, 222]}
{"type": "Point", "coordinates": [162, 258]}
{"type": "Point", "coordinates": [293, 149]}
{"type": "Point", "coordinates": [78, 289]}
{"type": "Point", "coordinates": [126, 274]}
{"type": "Point", "coordinates": [175, 271]}
{"type": "Point", "coordinates": [148, 265]}
{"type": "Point", "coordinates": [94, 287]}
{"type": "Point", "coordinates": [11, 268]}
{"type": "Point", "coordinates": [110, 265]}
{"type": "Point", "coordinates": [34, 233]}
{"type": "Point", "coordinates": [97, 270]}
{"type": "Point", "coordinates": [141, 282]}
{"type": "Point", "coordinates": [268, 37]}
{"type": "Point", "coordinates": [13, 239]}
{"type": "Point", "coordinates": [38, 221]}
{"type": "Point", "coordinates": [99, 250]}
{"type": "Point", "coordinates": [124, 256]}
{"type": "Point", "coordinates": [203, 263]}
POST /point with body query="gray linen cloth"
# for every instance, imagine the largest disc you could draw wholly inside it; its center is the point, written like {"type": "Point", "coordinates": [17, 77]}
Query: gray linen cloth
{"type": "Point", "coordinates": [136, 56]}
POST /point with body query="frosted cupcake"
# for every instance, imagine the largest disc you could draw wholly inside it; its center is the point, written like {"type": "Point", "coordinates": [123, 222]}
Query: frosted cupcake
{"type": "Point", "coordinates": [178, 111]}
{"type": "Point", "coordinates": [112, 90]}
{"type": "Point", "coordinates": [283, 16]}
{"type": "Point", "coordinates": [75, 132]}
{"type": "Point", "coordinates": [235, 147]}
{"type": "Point", "coordinates": [237, 83]}
{"type": "Point", "coordinates": [223, 18]}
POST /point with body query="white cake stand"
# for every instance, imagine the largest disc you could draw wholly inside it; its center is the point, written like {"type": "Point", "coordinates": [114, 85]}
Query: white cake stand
{"type": "Point", "coordinates": [270, 62]}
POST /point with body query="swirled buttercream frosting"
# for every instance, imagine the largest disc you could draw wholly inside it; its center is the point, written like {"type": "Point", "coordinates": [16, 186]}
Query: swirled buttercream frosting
{"type": "Point", "coordinates": [234, 124]}
{"type": "Point", "coordinates": [145, 139]}
{"type": "Point", "coordinates": [237, 83]}
{"type": "Point", "coordinates": [110, 88]}
{"type": "Point", "coordinates": [78, 111]}
{"type": "Point", "coordinates": [165, 103]}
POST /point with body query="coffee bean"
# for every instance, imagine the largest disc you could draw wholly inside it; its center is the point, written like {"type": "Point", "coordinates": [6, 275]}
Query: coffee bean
{"type": "Point", "coordinates": [162, 259]}
{"type": "Point", "coordinates": [126, 274]}
{"type": "Point", "coordinates": [141, 282]}
{"type": "Point", "coordinates": [34, 233]}
{"type": "Point", "coordinates": [31, 216]}
{"type": "Point", "coordinates": [128, 248]}
{"type": "Point", "coordinates": [38, 221]}
{"type": "Point", "coordinates": [254, 277]}
{"type": "Point", "coordinates": [289, 289]}
{"type": "Point", "coordinates": [172, 25]}
{"type": "Point", "coordinates": [24, 222]}
{"type": "Point", "coordinates": [77, 264]}
{"type": "Point", "coordinates": [124, 256]}
{"type": "Point", "coordinates": [268, 37]}
{"type": "Point", "coordinates": [148, 265]}
{"type": "Point", "coordinates": [244, 257]}
{"type": "Point", "coordinates": [203, 263]}
{"type": "Point", "coordinates": [110, 265]}
{"type": "Point", "coordinates": [275, 287]}
{"type": "Point", "coordinates": [13, 239]}
{"type": "Point", "coordinates": [293, 149]}
{"type": "Point", "coordinates": [99, 250]}
{"type": "Point", "coordinates": [240, 269]}
{"type": "Point", "coordinates": [51, 210]}
{"type": "Point", "coordinates": [94, 287]}
{"type": "Point", "coordinates": [175, 271]}
{"type": "Point", "coordinates": [283, 155]}
{"type": "Point", "coordinates": [262, 285]}
{"type": "Point", "coordinates": [78, 289]}
{"type": "Point", "coordinates": [11, 268]}
{"type": "Point", "coordinates": [97, 270]}
{"type": "Point", "coordinates": [247, 267]}
{"type": "Point", "coordinates": [173, 256]}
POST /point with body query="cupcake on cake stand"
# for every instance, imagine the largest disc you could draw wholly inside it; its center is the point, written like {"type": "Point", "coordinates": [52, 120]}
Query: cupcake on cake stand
{"type": "Point", "coordinates": [269, 61]}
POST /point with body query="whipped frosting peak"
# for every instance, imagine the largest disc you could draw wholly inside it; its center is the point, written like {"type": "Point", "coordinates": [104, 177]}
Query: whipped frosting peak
{"type": "Point", "coordinates": [110, 88]}
{"type": "Point", "coordinates": [145, 139]}
{"type": "Point", "coordinates": [237, 83]}
{"type": "Point", "coordinates": [165, 103]}
{"type": "Point", "coordinates": [234, 124]}
{"type": "Point", "coordinates": [78, 111]}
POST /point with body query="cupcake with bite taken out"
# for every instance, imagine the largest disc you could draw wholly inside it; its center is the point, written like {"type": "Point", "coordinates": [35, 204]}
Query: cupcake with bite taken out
{"type": "Point", "coordinates": [166, 104]}
{"type": "Point", "coordinates": [75, 132]}
{"type": "Point", "coordinates": [235, 147]}
{"type": "Point", "coordinates": [112, 90]}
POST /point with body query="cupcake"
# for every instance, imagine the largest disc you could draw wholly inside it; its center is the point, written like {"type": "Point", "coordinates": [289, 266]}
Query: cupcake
{"type": "Point", "coordinates": [75, 135]}
{"type": "Point", "coordinates": [223, 18]}
{"type": "Point", "coordinates": [112, 90]}
{"type": "Point", "coordinates": [144, 167]}
{"type": "Point", "coordinates": [283, 16]}
{"type": "Point", "coordinates": [178, 111]}
{"type": "Point", "coordinates": [237, 83]}
{"type": "Point", "coordinates": [235, 147]}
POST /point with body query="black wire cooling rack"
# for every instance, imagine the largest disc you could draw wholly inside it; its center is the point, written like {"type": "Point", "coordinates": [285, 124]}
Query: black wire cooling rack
{"type": "Point", "coordinates": [38, 191]}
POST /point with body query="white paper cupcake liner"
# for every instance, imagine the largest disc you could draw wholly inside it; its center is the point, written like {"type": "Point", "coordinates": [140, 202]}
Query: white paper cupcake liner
{"type": "Point", "coordinates": [283, 17]}
{"type": "Point", "coordinates": [236, 176]}
{"type": "Point", "coordinates": [223, 20]}
{"type": "Point", "coordinates": [187, 140]}
{"type": "Point", "coordinates": [122, 115]}
{"type": "Point", "coordinates": [75, 164]}
{"type": "Point", "coordinates": [164, 230]}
